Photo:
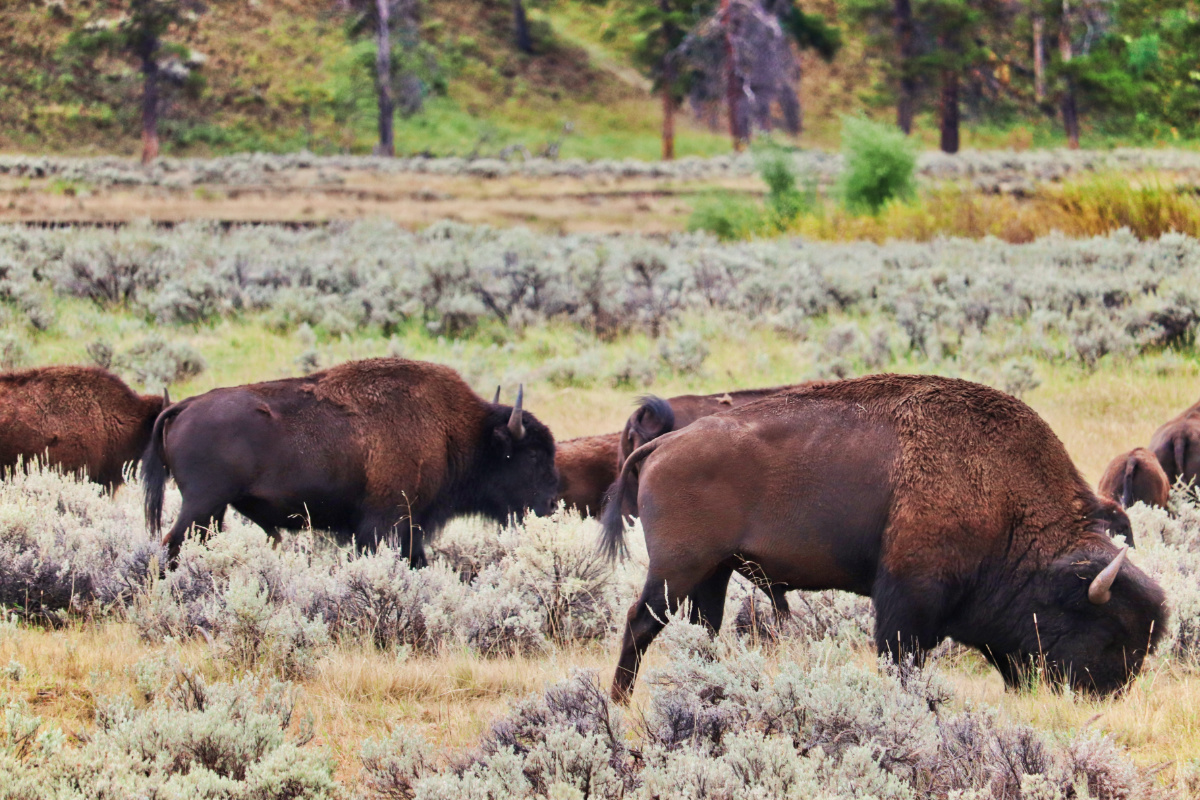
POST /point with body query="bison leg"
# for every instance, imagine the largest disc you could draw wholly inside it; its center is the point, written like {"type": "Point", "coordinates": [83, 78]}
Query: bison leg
{"type": "Point", "coordinates": [206, 517]}
{"type": "Point", "coordinates": [708, 600]}
{"type": "Point", "coordinates": [908, 620]}
{"type": "Point", "coordinates": [648, 616]}
{"type": "Point", "coordinates": [376, 528]}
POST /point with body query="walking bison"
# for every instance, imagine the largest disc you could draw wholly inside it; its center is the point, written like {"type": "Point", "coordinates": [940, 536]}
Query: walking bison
{"type": "Point", "coordinates": [655, 416]}
{"type": "Point", "coordinates": [369, 449]}
{"type": "Point", "coordinates": [1135, 477]}
{"type": "Point", "coordinates": [952, 505]}
{"type": "Point", "coordinates": [1176, 445]}
{"type": "Point", "coordinates": [82, 419]}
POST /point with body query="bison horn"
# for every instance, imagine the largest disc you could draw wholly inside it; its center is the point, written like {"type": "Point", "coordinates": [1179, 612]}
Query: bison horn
{"type": "Point", "coordinates": [166, 397]}
{"type": "Point", "coordinates": [496, 399]}
{"type": "Point", "coordinates": [516, 423]}
{"type": "Point", "coordinates": [1100, 592]}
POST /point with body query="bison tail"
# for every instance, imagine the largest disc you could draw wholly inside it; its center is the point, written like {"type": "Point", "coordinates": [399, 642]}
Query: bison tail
{"type": "Point", "coordinates": [1127, 488]}
{"type": "Point", "coordinates": [155, 471]}
{"type": "Point", "coordinates": [653, 418]}
{"type": "Point", "coordinates": [621, 501]}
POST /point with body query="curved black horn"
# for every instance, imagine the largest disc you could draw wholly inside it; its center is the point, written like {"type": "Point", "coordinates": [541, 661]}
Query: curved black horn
{"type": "Point", "coordinates": [496, 399]}
{"type": "Point", "coordinates": [516, 423]}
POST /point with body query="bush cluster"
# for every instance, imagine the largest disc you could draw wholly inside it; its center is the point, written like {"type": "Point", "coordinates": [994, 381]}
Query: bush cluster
{"type": "Point", "coordinates": [194, 741]}
{"type": "Point", "coordinates": [1064, 300]}
{"type": "Point", "coordinates": [721, 724]}
{"type": "Point", "coordinates": [993, 170]}
{"type": "Point", "coordinates": [723, 720]}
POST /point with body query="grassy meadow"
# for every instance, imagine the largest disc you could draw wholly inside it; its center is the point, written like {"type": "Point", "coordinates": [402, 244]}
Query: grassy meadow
{"type": "Point", "coordinates": [414, 684]}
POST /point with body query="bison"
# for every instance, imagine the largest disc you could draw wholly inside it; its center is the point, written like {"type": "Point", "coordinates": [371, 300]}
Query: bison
{"type": "Point", "coordinates": [953, 506]}
{"type": "Point", "coordinates": [655, 416]}
{"type": "Point", "coordinates": [368, 449]}
{"type": "Point", "coordinates": [587, 466]}
{"type": "Point", "coordinates": [1176, 445]}
{"type": "Point", "coordinates": [82, 419]}
{"type": "Point", "coordinates": [1135, 477]}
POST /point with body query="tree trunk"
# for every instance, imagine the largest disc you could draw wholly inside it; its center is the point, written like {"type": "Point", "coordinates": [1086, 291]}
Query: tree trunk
{"type": "Point", "coordinates": [668, 128]}
{"type": "Point", "coordinates": [948, 110]}
{"type": "Point", "coordinates": [733, 87]}
{"type": "Point", "coordinates": [1070, 111]}
{"type": "Point", "coordinates": [149, 102]}
{"type": "Point", "coordinates": [902, 24]}
{"type": "Point", "coordinates": [383, 79]}
{"type": "Point", "coordinates": [1039, 51]}
{"type": "Point", "coordinates": [521, 26]}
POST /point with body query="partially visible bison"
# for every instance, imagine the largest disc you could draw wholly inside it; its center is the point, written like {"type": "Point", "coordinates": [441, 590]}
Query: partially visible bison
{"type": "Point", "coordinates": [655, 416]}
{"type": "Point", "coordinates": [953, 506]}
{"type": "Point", "coordinates": [82, 419]}
{"type": "Point", "coordinates": [1176, 445]}
{"type": "Point", "coordinates": [370, 449]}
{"type": "Point", "coordinates": [1135, 477]}
{"type": "Point", "coordinates": [587, 466]}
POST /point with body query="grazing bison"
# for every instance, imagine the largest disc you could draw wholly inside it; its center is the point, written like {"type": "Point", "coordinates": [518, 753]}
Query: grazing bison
{"type": "Point", "coordinates": [368, 449]}
{"type": "Point", "coordinates": [1176, 445]}
{"type": "Point", "coordinates": [587, 466]}
{"type": "Point", "coordinates": [82, 419]}
{"type": "Point", "coordinates": [952, 505]}
{"type": "Point", "coordinates": [655, 416]}
{"type": "Point", "coordinates": [1135, 477]}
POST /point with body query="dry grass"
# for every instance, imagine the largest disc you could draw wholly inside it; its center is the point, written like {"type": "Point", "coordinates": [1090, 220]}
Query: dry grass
{"type": "Point", "coordinates": [1148, 205]}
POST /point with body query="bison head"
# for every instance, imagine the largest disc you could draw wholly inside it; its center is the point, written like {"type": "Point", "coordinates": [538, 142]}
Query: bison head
{"type": "Point", "coordinates": [1089, 620]}
{"type": "Point", "coordinates": [516, 472]}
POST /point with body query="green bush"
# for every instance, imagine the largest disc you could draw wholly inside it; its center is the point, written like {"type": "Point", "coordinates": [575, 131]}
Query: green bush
{"type": "Point", "coordinates": [726, 215]}
{"type": "Point", "coordinates": [880, 165]}
{"type": "Point", "coordinates": [785, 200]}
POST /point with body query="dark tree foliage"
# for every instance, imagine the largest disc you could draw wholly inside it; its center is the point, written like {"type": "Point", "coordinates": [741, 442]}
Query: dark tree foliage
{"type": "Point", "coordinates": [140, 29]}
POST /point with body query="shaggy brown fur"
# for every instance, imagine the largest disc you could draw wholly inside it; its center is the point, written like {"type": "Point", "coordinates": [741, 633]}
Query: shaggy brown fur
{"type": "Point", "coordinates": [373, 449]}
{"type": "Point", "coordinates": [1176, 445]}
{"type": "Point", "coordinates": [587, 466]}
{"type": "Point", "coordinates": [952, 505]}
{"type": "Point", "coordinates": [655, 417]}
{"type": "Point", "coordinates": [82, 419]}
{"type": "Point", "coordinates": [1135, 477]}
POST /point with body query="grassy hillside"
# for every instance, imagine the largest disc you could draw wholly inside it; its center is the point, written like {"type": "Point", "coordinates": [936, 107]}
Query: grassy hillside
{"type": "Point", "coordinates": [283, 75]}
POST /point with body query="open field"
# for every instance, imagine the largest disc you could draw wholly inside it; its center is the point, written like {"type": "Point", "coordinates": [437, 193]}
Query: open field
{"type": "Point", "coordinates": [1013, 196]}
{"type": "Point", "coordinates": [1097, 335]}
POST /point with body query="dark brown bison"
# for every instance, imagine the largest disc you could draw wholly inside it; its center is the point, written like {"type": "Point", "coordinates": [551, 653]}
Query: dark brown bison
{"type": "Point", "coordinates": [369, 449]}
{"type": "Point", "coordinates": [587, 466]}
{"type": "Point", "coordinates": [1135, 477]}
{"type": "Point", "coordinates": [82, 419]}
{"type": "Point", "coordinates": [1176, 445]}
{"type": "Point", "coordinates": [655, 416]}
{"type": "Point", "coordinates": [952, 505]}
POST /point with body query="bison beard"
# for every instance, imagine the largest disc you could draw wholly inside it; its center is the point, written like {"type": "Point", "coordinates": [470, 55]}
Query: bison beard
{"type": "Point", "coordinates": [81, 419]}
{"type": "Point", "coordinates": [952, 505]}
{"type": "Point", "coordinates": [378, 449]}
